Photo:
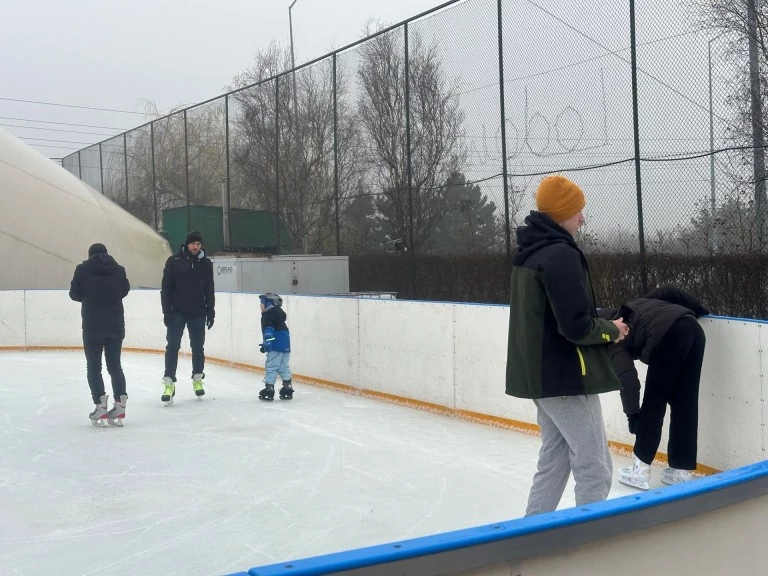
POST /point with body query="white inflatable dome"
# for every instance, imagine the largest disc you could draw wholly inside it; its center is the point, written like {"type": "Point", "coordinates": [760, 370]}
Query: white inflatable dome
{"type": "Point", "coordinates": [49, 218]}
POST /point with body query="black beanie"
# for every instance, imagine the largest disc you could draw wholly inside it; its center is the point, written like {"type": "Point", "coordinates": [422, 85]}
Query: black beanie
{"type": "Point", "coordinates": [193, 236]}
{"type": "Point", "coordinates": [97, 249]}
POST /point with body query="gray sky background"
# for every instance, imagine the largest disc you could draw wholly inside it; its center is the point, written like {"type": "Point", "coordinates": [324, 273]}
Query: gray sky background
{"type": "Point", "coordinates": [118, 55]}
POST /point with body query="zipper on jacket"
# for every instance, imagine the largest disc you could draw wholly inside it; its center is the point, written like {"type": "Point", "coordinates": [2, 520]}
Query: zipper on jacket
{"type": "Point", "coordinates": [581, 361]}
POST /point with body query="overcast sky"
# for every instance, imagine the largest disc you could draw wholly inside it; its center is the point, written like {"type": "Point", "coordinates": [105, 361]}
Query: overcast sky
{"type": "Point", "coordinates": [119, 54]}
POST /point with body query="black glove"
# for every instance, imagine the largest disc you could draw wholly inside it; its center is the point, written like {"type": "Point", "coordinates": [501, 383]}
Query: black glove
{"type": "Point", "coordinates": [209, 322]}
{"type": "Point", "coordinates": [261, 348]}
{"type": "Point", "coordinates": [632, 420]}
{"type": "Point", "coordinates": [166, 319]}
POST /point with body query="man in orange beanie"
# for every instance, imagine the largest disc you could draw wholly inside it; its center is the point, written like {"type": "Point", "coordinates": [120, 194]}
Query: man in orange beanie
{"type": "Point", "coordinates": [557, 354]}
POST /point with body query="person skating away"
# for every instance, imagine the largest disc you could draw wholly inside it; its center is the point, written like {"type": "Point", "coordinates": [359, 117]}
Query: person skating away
{"type": "Point", "coordinates": [187, 297]}
{"type": "Point", "coordinates": [665, 335]}
{"type": "Point", "coordinates": [277, 346]}
{"type": "Point", "coordinates": [100, 284]}
{"type": "Point", "coordinates": [557, 349]}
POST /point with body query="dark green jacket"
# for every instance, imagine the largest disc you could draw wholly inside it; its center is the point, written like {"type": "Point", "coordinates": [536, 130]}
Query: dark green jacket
{"type": "Point", "coordinates": [557, 344]}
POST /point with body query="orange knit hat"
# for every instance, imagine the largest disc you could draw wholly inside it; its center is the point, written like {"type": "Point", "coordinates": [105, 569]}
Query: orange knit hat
{"type": "Point", "coordinates": [559, 198]}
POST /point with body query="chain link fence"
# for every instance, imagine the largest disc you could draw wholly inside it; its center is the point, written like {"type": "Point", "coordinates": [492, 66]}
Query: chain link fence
{"type": "Point", "coordinates": [429, 138]}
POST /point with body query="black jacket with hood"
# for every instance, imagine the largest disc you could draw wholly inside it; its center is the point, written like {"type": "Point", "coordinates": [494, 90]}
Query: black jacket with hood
{"type": "Point", "coordinates": [557, 344]}
{"type": "Point", "coordinates": [100, 284]}
{"type": "Point", "coordinates": [187, 285]}
{"type": "Point", "coordinates": [649, 319]}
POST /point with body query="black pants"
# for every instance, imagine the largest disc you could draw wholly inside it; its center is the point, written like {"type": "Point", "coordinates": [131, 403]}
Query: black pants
{"type": "Point", "coordinates": [674, 370]}
{"type": "Point", "coordinates": [196, 329]}
{"type": "Point", "coordinates": [110, 345]}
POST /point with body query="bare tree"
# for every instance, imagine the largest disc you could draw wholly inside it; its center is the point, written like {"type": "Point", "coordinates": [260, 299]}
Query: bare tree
{"type": "Point", "coordinates": [436, 132]}
{"type": "Point", "coordinates": [205, 152]}
{"type": "Point", "coordinates": [747, 94]}
{"type": "Point", "coordinates": [303, 146]}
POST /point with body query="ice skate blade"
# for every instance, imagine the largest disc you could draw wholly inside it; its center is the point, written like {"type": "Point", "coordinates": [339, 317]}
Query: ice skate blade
{"type": "Point", "coordinates": [266, 399]}
{"type": "Point", "coordinates": [672, 482]}
{"type": "Point", "coordinates": [639, 484]}
{"type": "Point", "coordinates": [98, 423]}
{"type": "Point", "coordinates": [167, 403]}
{"type": "Point", "coordinates": [118, 422]}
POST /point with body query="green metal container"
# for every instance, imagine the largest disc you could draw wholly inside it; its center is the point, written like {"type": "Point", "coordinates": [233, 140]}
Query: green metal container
{"type": "Point", "coordinates": [250, 230]}
{"type": "Point", "coordinates": [177, 222]}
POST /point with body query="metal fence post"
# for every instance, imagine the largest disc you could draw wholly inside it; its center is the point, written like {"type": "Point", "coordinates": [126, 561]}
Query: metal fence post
{"type": "Point", "coordinates": [125, 164]}
{"type": "Point", "coordinates": [186, 172]}
{"type": "Point", "coordinates": [636, 130]}
{"type": "Point", "coordinates": [228, 239]}
{"type": "Point", "coordinates": [154, 180]}
{"type": "Point", "coordinates": [101, 168]}
{"type": "Point", "coordinates": [277, 159]}
{"type": "Point", "coordinates": [508, 232]}
{"type": "Point", "coordinates": [336, 158]}
{"type": "Point", "coordinates": [756, 112]}
{"type": "Point", "coordinates": [408, 141]}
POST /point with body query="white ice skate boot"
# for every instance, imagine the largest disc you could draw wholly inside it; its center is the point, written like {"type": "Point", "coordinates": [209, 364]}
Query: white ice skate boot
{"type": "Point", "coordinates": [637, 475]}
{"type": "Point", "coordinates": [169, 391]}
{"type": "Point", "coordinates": [116, 415]}
{"type": "Point", "coordinates": [675, 476]}
{"type": "Point", "coordinates": [197, 385]}
{"type": "Point", "coordinates": [99, 414]}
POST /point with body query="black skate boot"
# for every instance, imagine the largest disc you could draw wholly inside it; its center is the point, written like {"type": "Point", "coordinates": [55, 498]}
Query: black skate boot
{"type": "Point", "coordinates": [268, 393]}
{"type": "Point", "coordinates": [286, 392]}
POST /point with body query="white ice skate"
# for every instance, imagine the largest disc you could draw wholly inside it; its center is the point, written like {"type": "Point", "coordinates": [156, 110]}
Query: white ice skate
{"type": "Point", "coordinates": [675, 476]}
{"type": "Point", "coordinates": [637, 475]}
{"type": "Point", "coordinates": [169, 391]}
{"type": "Point", "coordinates": [116, 415]}
{"type": "Point", "coordinates": [99, 414]}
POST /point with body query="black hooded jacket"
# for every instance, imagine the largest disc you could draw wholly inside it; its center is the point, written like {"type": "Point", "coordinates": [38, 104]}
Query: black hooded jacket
{"type": "Point", "coordinates": [187, 285]}
{"type": "Point", "coordinates": [649, 319]}
{"type": "Point", "coordinates": [100, 284]}
{"type": "Point", "coordinates": [557, 344]}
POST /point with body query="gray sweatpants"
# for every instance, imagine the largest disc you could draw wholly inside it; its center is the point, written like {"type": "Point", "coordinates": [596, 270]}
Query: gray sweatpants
{"type": "Point", "coordinates": [572, 440]}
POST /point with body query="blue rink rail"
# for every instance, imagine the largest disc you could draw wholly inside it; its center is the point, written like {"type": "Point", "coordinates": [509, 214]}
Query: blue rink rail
{"type": "Point", "coordinates": [545, 534]}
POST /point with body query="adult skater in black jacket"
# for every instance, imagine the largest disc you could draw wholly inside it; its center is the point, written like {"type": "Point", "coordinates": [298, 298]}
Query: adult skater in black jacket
{"type": "Point", "coordinates": [665, 335]}
{"type": "Point", "coordinates": [100, 284]}
{"type": "Point", "coordinates": [188, 300]}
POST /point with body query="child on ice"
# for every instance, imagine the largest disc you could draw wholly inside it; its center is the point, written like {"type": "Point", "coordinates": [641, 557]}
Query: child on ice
{"type": "Point", "coordinates": [277, 346]}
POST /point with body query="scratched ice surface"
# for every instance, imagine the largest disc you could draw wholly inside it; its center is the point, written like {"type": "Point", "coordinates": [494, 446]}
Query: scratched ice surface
{"type": "Point", "coordinates": [220, 485]}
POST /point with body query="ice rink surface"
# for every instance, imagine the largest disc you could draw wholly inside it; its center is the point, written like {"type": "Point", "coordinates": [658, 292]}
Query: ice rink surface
{"type": "Point", "coordinates": [205, 488]}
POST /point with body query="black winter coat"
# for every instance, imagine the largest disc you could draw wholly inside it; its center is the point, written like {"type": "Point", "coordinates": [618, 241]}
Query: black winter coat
{"type": "Point", "coordinates": [649, 319]}
{"type": "Point", "coordinates": [100, 284]}
{"type": "Point", "coordinates": [557, 346]}
{"type": "Point", "coordinates": [187, 285]}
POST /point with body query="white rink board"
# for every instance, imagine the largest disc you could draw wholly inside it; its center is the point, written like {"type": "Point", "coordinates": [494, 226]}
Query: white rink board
{"type": "Point", "coordinates": [481, 361]}
{"type": "Point", "coordinates": [12, 324]}
{"type": "Point", "coordinates": [328, 327]}
{"type": "Point", "coordinates": [52, 319]}
{"type": "Point", "coordinates": [146, 329]}
{"type": "Point", "coordinates": [407, 349]}
{"type": "Point", "coordinates": [244, 327]}
{"type": "Point", "coordinates": [731, 395]}
{"type": "Point", "coordinates": [453, 355]}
